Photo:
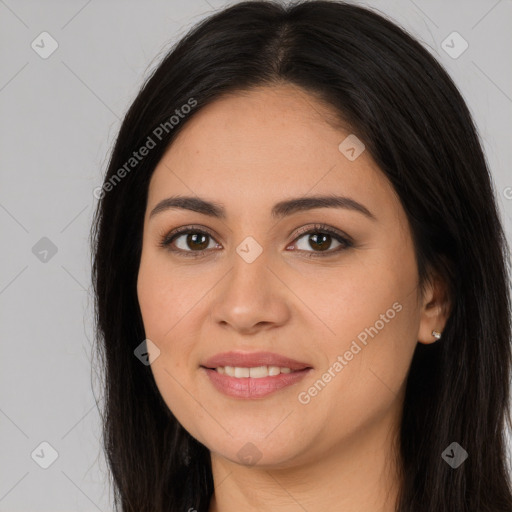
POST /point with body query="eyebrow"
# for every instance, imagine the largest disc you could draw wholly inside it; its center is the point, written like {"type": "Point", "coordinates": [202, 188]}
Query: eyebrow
{"type": "Point", "coordinates": [279, 210]}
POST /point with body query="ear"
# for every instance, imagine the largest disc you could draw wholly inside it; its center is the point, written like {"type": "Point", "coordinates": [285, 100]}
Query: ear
{"type": "Point", "coordinates": [435, 309]}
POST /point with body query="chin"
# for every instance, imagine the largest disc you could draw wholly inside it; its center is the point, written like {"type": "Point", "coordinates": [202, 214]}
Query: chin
{"type": "Point", "coordinates": [263, 453]}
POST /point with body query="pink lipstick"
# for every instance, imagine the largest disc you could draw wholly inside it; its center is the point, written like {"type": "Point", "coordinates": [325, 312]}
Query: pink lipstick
{"type": "Point", "coordinates": [253, 374]}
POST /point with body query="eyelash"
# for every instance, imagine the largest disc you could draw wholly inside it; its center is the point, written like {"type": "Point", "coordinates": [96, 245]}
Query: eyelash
{"type": "Point", "coordinates": [167, 239]}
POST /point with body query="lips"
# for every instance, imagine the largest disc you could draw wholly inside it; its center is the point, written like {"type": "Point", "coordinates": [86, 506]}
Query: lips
{"type": "Point", "coordinates": [253, 388]}
{"type": "Point", "coordinates": [253, 359]}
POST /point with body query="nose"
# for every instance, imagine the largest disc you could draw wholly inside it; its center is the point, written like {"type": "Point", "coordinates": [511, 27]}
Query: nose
{"type": "Point", "coordinates": [251, 298]}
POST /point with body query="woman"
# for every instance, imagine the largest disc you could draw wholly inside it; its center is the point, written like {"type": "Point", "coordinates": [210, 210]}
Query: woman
{"type": "Point", "coordinates": [300, 276]}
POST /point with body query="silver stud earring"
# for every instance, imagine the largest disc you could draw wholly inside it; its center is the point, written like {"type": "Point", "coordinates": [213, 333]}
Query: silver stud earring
{"type": "Point", "coordinates": [436, 334]}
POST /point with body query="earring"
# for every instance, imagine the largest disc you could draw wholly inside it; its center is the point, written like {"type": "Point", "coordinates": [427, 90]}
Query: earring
{"type": "Point", "coordinates": [436, 334]}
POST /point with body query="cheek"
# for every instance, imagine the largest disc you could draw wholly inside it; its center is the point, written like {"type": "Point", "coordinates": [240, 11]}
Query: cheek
{"type": "Point", "coordinates": [367, 367]}
{"type": "Point", "coordinates": [361, 301]}
{"type": "Point", "coordinates": [161, 309]}
{"type": "Point", "coordinates": [165, 297]}
{"type": "Point", "coordinates": [373, 317]}
{"type": "Point", "coordinates": [168, 301]}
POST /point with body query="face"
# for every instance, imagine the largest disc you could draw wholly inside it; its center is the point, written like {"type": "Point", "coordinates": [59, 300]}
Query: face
{"type": "Point", "coordinates": [334, 288]}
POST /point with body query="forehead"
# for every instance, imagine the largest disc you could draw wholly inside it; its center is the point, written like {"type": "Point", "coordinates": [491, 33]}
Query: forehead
{"type": "Point", "coordinates": [262, 146]}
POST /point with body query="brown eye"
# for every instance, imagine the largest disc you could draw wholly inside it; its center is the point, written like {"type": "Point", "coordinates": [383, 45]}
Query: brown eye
{"type": "Point", "coordinates": [188, 242]}
{"type": "Point", "coordinates": [197, 241]}
{"type": "Point", "coordinates": [192, 240]}
{"type": "Point", "coordinates": [321, 241]}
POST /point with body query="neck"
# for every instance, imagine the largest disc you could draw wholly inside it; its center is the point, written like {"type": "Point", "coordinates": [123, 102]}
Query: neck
{"type": "Point", "coordinates": [358, 475]}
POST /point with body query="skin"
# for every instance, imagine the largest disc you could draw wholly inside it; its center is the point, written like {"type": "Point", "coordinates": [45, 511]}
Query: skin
{"type": "Point", "coordinates": [249, 151]}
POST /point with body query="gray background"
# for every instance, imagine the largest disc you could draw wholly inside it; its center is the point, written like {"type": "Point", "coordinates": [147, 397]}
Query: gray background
{"type": "Point", "coordinates": [59, 118]}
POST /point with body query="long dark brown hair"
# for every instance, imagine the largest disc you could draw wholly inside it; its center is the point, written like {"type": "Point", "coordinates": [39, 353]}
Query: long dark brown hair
{"type": "Point", "coordinates": [405, 108]}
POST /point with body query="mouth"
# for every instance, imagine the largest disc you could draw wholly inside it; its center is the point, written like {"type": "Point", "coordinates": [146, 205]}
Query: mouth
{"type": "Point", "coordinates": [254, 372]}
{"type": "Point", "coordinates": [253, 375]}
{"type": "Point", "coordinates": [254, 360]}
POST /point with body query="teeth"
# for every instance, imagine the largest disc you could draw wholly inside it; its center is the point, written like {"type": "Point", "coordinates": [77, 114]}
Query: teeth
{"type": "Point", "coordinates": [241, 372]}
{"type": "Point", "coordinates": [256, 372]}
{"type": "Point", "coordinates": [274, 370]}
